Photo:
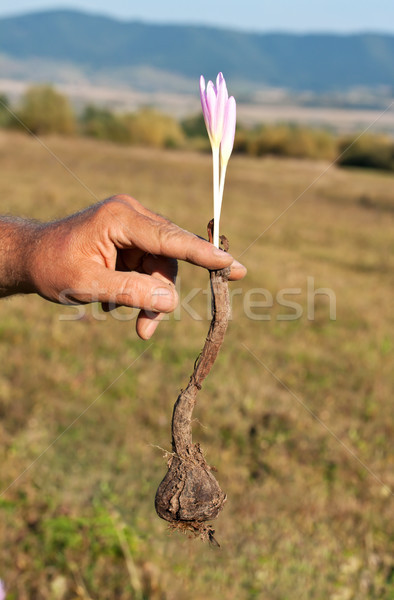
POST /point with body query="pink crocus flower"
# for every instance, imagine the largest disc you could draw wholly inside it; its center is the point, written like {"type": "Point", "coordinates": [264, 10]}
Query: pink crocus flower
{"type": "Point", "coordinates": [213, 102]}
{"type": "Point", "coordinates": [219, 113]}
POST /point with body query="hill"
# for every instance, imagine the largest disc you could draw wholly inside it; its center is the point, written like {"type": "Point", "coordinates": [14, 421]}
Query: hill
{"type": "Point", "coordinates": [69, 44]}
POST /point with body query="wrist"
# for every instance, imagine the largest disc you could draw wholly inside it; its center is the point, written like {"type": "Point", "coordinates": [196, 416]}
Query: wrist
{"type": "Point", "coordinates": [18, 238]}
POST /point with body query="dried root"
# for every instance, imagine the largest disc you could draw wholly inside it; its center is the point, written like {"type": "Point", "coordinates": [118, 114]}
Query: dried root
{"type": "Point", "coordinates": [189, 494]}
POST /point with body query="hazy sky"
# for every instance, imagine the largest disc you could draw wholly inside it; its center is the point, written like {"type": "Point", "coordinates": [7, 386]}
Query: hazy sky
{"type": "Point", "coordinates": [256, 15]}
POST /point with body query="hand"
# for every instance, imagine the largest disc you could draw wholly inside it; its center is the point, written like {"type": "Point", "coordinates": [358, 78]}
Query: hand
{"type": "Point", "coordinates": [119, 253]}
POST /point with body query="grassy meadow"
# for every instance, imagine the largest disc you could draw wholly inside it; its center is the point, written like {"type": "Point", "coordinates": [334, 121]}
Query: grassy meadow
{"type": "Point", "coordinates": [297, 415]}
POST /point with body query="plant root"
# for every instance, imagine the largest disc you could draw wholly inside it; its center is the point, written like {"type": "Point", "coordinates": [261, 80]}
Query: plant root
{"type": "Point", "coordinates": [189, 494]}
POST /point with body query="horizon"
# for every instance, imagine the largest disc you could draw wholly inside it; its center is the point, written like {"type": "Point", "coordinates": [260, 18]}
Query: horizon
{"type": "Point", "coordinates": [297, 28]}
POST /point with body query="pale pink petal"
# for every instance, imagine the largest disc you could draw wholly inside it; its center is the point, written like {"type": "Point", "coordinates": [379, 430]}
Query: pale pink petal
{"type": "Point", "coordinates": [202, 84]}
{"type": "Point", "coordinates": [204, 105]}
{"type": "Point", "coordinates": [202, 88]}
{"type": "Point", "coordinates": [229, 130]}
{"type": "Point", "coordinates": [222, 97]}
{"type": "Point", "coordinates": [211, 104]}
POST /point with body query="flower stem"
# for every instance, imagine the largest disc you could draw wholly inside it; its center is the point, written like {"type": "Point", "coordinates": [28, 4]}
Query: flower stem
{"type": "Point", "coordinates": [216, 196]}
{"type": "Point", "coordinates": [222, 178]}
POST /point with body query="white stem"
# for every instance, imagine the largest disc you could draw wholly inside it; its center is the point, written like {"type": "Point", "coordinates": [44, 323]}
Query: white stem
{"type": "Point", "coordinates": [222, 178]}
{"type": "Point", "coordinates": [216, 196]}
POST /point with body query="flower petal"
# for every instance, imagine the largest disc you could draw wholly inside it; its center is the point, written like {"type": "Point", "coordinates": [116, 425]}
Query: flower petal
{"type": "Point", "coordinates": [222, 97]}
{"type": "Point", "coordinates": [230, 118]}
{"type": "Point", "coordinates": [211, 104]}
{"type": "Point", "coordinates": [204, 105]}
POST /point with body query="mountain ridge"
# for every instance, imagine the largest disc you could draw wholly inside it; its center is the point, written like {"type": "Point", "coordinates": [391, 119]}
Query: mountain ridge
{"type": "Point", "coordinates": [101, 47]}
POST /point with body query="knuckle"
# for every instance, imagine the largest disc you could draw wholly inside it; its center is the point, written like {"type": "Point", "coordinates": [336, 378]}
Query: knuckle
{"type": "Point", "coordinates": [163, 235]}
{"type": "Point", "coordinates": [124, 199]}
{"type": "Point", "coordinates": [134, 292]}
{"type": "Point", "coordinates": [189, 242]}
{"type": "Point", "coordinates": [170, 235]}
{"type": "Point", "coordinates": [111, 213]}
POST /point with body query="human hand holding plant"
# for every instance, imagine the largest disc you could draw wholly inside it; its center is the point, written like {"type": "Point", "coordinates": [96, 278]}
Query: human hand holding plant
{"type": "Point", "coordinates": [119, 253]}
{"type": "Point", "coordinates": [116, 252]}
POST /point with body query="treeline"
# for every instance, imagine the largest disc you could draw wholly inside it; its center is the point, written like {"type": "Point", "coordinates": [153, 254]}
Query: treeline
{"type": "Point", "coordinates": [43, 110]}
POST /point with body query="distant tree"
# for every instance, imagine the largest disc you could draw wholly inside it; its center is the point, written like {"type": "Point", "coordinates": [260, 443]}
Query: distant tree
{"type": "Point", "coordinates": [373, 151]}
{"type": "Point", "coordinates": [44, 110]}
{"type": "Point", "coordinates": [148, 127]}
{"type": "Point", "coordinates": [194, 126]}
{"type": "Point", "coordinates": [103, 124]}
{"type": "Point", "coordinates": [286, 140]}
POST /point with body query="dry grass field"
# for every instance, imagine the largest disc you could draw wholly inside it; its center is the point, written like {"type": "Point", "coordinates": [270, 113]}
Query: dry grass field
{"type": "Point", "coordinates": [297, 414]}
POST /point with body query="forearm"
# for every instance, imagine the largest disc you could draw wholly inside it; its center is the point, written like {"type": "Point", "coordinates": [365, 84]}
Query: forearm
{"type": "Point", "coordinates": [17, 242]}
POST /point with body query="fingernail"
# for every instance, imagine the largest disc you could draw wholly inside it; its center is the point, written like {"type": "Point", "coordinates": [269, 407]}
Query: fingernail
{"type": "Point", "coordinates": [163, 299]}
{"type": "Point", "coordinates": [151, 328]}
{"type": "Point", "coordinates": [237, 265]}
{"type": "Point", "coordinates": [218, 252]}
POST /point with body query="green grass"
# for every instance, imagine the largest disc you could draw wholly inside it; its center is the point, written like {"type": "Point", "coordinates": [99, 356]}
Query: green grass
{"type": "Point", "coordinates": [304, 519]}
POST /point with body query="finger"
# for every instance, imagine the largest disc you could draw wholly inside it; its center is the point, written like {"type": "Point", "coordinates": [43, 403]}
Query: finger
{"type": "Point", "coordinates": [163, 238]}
{"type": "Point", "coordinates": [157, 236]}
{"type": "Point", "coordinates": [160, 267]}
{"type": "Point", "coordinates": [125, 289]}
{"type": "Point", "coordinates": [167, 268]}
{"type": "Point", "coordinates": [238, 271]}
{"type": "Point", "coordinates": [147, 323]}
